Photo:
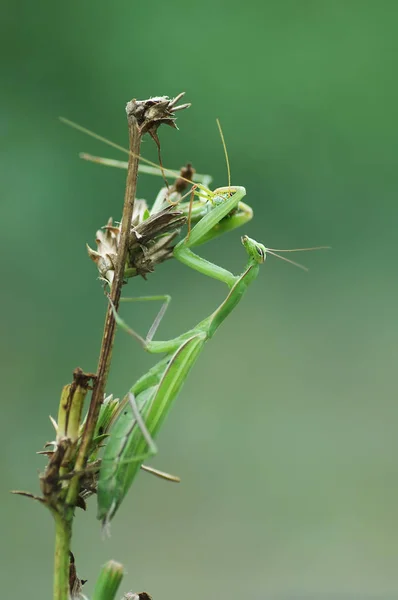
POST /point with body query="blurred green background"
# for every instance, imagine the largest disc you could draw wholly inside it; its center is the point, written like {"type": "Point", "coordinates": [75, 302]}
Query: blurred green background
{"type": "Point", "coordinates": [285, 432]}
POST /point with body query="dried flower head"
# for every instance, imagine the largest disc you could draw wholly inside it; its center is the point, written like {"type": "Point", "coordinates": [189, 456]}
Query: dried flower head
{"type": "Point", "coordinates": [151, 241]}
{"type": "Point", "coordinates": [152, 113]}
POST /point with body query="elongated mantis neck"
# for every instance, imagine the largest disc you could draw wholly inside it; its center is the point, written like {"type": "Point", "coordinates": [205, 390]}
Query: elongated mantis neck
{"type": "Point", "coordinates": [235, 295]}
{"type": "Point", "coordinates": [257, 254]}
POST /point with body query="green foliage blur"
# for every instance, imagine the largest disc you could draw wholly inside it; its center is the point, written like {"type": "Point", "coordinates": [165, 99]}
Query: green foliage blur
{"type": "Point", "coordinates": [285, 433]}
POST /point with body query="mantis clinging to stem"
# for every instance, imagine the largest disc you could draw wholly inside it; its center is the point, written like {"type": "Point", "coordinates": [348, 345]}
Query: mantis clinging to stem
{"type": "Point", "coordinates": [155, 392]}
{"type": "Point", "coordinates": [152, 395]}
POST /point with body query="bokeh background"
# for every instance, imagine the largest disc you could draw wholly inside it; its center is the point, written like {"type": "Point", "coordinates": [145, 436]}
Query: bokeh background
{"type": "Point", "coordinates": [285, 434]}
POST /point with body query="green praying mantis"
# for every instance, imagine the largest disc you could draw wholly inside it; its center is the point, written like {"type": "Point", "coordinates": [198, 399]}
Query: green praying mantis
{"type": "Point", "coordinates": [154, 393]}
{"type": "Point", "coordinates": [151, 397]}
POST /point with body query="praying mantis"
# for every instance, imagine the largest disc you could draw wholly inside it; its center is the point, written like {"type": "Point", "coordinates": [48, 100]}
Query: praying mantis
{"type": "Point", "coordinates": [130, 443]}
{"type": "Point", "coordinates": [151, 397]}
{"type": "Point", "coordinates": [131, 440]}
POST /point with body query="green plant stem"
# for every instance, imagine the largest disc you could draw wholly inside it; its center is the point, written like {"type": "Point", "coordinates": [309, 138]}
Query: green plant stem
{"type": "Point", "coordinates": [63, 534]}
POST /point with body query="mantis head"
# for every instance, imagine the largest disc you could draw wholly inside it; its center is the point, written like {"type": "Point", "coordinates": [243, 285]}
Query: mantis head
{"type": "Point", "coordinates": [256, 251]}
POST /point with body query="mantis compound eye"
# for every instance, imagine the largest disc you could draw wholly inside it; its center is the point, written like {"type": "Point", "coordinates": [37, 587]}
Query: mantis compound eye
{"type": "Point", "coordinates": [261, 252]}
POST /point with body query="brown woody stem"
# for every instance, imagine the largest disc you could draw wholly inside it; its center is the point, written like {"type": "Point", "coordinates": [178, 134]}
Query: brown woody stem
{"type": "Point", "coordinates": [142, 116]}
{"type": "Point", "coordinates": [104, 362]}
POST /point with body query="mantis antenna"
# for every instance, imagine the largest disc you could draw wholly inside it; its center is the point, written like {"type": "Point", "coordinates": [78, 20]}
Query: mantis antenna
{"type": "Point", "coordinates": [225, 151]}
{"type": "Point", "coordinates": [292, 262]}
{"type": "Point", "coordinates": [274, 251]}
{"type": "Point", "coordinates": [105, 140]}
{"type": "Point", "coordinates": [300, 249]}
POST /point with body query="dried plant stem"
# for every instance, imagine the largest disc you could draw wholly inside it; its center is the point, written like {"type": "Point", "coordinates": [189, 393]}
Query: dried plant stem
{"type": "Point", "coordinates": [142, 117]}
{"type": "Point", "coordinates": [110, 324]}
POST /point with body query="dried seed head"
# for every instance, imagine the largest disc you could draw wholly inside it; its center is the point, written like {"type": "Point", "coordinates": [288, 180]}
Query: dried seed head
{"type": "Point", "coordinates": [152, 113]}
{"type": "Point", "coordinates": [105, 255]}
{"type": "Point", "coordinates": [151, 242]}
